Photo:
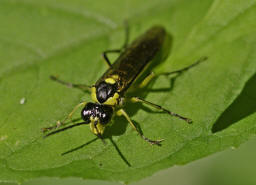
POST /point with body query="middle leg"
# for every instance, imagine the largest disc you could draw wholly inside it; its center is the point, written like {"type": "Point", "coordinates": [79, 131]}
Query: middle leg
{"type": "Point", "coordinates": [105, 53]}
{"type": "Point", "coordinates": [138, 99]}
{"type": "Point", "coordinates": [152, 75]}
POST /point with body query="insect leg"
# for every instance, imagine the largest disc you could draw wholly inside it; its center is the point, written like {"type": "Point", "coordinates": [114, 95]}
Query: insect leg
{"type": "Point", "coordinates": [138, 99]}
{"type": "Point", "coordinates": [185, 68]}
{"type": "Point", "coordinates": [146, 80]}
{"type": "Point", "coordinates": [71, 85]}
{"type": "Point", "coordinates": [121, 112]}
{"type": "Point", "coordinates": [127, 35]}
{"type": "Point", "coordinates": [59, 123]}
{"type": "Point", "coordinates": [105, 53]}
{"type": "Point", "coordinates": [152, 75]}
{"type": "Point", "coordinates": [105, 57]}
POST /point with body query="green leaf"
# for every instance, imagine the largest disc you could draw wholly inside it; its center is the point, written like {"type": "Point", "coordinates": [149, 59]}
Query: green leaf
{"type": "Point", "coordinates": [66, 38]}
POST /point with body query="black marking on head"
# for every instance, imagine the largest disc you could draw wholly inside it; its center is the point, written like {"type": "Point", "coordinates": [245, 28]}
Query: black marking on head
{"type": "Point", "coordinates": [103, 112]}
{"type": "Point", "coordinates": [105, 90]}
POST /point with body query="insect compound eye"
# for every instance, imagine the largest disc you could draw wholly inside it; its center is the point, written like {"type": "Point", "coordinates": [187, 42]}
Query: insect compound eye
{"type": "Point", "coordinates": [105, 114]}
{"type": "Point", "coordinates": [104, 91]}
{"type": "Point", "coordinates": [87, 111]}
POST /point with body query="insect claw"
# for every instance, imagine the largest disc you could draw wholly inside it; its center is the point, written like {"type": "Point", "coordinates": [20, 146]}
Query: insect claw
{"type": "Point", "coordinates": [156, 142]}
{"type": "Point", "coordinates": [46, 129]}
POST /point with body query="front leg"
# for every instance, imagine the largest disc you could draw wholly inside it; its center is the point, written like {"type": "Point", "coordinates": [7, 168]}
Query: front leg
{"type": "Point", "coordinates": [62, 123]}
{"type": "Point", "coordinates": [121, 112]}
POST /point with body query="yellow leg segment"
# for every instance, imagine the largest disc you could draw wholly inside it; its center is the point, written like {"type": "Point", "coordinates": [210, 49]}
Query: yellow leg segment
{"type": "Point", "coordinates": [152, 75]}
{"type": "Point", "coordinates": [144, 83]}
{"type": "Point", "coordinates": [121, 112]}
{"type": "Point", "coordinates": [147, 79]}
{"type": "Point", "coordinates": [72, 112]}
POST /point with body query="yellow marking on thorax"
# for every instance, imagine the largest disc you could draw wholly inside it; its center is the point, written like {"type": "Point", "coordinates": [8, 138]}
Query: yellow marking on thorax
{"type": "Point", "coordinates": [116, 77]}
{"type": "Point", "coordinates": [110, 80]}
{"type": "Point", "coordinates": [112, 100]}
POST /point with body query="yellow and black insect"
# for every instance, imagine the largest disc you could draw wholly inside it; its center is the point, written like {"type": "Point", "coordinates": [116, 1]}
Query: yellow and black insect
{"type": "Point", "coordinates": [109, 91]}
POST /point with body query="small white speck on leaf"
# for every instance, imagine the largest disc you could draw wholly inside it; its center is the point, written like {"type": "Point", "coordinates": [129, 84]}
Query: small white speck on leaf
{"type": "Point", "coordinates": [22, 100]}
{"type": "Point", "coordinates": [233, 147]}
{"type": "Point", "coordinates": [17, 143]}
{"type": "Point", "coordinates": [2, 138]}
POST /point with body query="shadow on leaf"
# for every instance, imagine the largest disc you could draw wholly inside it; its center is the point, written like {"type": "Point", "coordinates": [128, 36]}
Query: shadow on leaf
{"type": "Point", "coordinates": [243, 106]}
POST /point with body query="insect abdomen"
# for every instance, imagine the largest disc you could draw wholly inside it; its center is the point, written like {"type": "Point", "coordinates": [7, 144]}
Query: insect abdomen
{"type": "Point", "coordinates": [138, 54]}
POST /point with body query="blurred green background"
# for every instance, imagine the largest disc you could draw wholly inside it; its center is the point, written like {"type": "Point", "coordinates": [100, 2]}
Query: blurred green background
{"type": "Point", "coordinates": [231, 167]}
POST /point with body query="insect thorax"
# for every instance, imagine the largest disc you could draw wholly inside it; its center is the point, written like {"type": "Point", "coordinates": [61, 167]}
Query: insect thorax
{"type": "Point", "coordinates": [106, 92]}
